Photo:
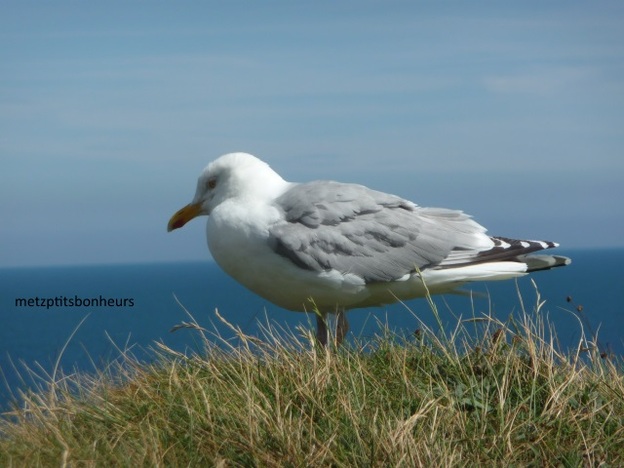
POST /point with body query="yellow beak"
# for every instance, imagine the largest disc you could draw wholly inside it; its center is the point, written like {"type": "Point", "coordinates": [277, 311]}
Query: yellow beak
{"type": "Point", "coordinates": [183, 216]}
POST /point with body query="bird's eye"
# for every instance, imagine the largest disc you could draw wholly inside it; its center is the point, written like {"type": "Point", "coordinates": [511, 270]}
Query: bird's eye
{"type": "Point", "coordinates": [212, 183]}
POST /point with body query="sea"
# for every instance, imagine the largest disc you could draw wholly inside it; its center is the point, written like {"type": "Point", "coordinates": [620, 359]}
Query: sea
{"type": "Point", "coordinates": [82, 318]}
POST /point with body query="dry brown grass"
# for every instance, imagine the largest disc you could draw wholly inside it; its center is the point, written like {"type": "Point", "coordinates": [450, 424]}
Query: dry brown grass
{"type": "Point", "coordinates": [503, 395]}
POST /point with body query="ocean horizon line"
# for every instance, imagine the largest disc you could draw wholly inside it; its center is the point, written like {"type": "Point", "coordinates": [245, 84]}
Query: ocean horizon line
{"type": "Point", "coordinates": [210, 260]}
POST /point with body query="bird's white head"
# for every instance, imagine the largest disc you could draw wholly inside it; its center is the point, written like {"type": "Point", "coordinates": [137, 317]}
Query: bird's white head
{"type": "Point", "coordinates": [234, 175]}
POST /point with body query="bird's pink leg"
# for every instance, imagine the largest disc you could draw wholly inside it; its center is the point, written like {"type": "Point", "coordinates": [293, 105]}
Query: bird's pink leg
{"type": "Point", "coordinates": [342, 327]}
{"type": "Point", "coordinates": [321, 330]}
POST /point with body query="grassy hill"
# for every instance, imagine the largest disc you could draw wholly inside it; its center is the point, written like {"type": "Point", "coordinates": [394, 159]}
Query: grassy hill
{"type": "Point", "coordinates": [489, 393]}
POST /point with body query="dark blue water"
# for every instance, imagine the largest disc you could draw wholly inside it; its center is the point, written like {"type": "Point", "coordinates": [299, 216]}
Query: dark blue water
{"type": "Point", "coordinates": [33, 336]}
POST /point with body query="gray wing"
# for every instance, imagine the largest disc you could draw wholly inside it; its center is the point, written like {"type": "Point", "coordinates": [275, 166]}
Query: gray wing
{"type": "Point", "coordinates": [377, 236]}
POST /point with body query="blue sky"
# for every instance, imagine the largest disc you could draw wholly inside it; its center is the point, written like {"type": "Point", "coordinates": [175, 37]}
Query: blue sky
{"type": "Point", "coordinates": [513, 112]}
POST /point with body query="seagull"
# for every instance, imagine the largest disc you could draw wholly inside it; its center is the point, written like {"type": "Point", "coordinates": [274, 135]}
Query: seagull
{"type": "Point", "coordinates": [328, 247]}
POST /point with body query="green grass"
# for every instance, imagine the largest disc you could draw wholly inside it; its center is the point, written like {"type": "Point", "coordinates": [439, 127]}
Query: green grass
{"type": "Point", "coordinates": [489, 393]}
